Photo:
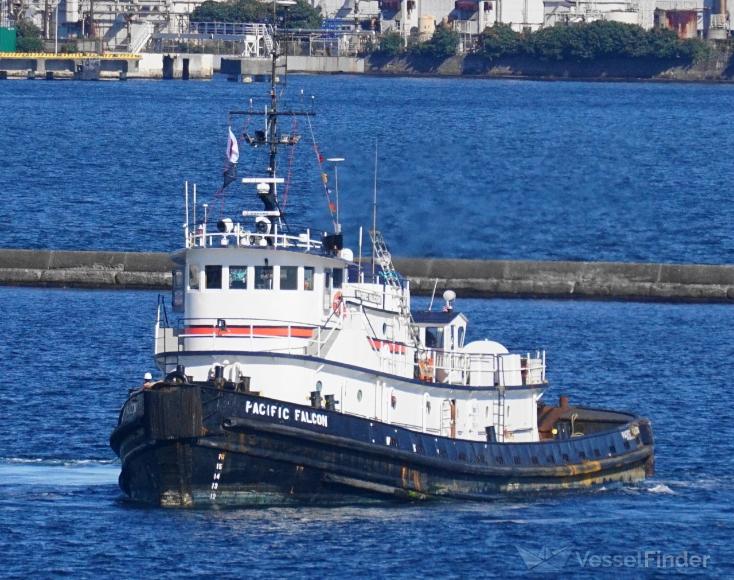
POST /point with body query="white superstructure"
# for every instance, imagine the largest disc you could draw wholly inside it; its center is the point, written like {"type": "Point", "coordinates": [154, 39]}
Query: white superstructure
{"type": "Point", "coordinates": [298, 319]}
{"type": "Point", "coordinates": [294, 317]}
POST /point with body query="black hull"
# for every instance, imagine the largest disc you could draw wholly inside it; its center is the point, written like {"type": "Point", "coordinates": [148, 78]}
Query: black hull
{"type": "Point", "coordinates": [239, 449]}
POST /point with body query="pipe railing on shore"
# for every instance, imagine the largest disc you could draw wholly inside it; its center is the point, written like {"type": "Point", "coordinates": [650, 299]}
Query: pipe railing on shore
{"type": "Point", "coordinates": [478, 278]}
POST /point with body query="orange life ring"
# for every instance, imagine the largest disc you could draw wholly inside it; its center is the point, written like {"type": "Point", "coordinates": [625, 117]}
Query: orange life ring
{"type": "Point", "coordinates": [425, 369]}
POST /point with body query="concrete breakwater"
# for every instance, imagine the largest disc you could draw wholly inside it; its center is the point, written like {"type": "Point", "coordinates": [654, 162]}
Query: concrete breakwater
{"type": "Point", "coordinates": [600, 280]}
{"type": "Point", "coordinates": [72, 269]}
{"type": "Point", "coordinates": [88, 66]}
{"type": "Point", "coordinates": [480, 278]}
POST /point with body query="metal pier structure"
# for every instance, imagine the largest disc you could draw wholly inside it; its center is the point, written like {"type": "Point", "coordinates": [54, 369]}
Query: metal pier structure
{"type": "Point", "coordinates": [247, 39]}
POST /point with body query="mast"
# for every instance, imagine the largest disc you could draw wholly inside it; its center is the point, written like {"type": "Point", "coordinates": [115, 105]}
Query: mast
{"type": "Point", "coordinates": [374, 213]}
{"type": "Point", "coordinates": [267, 187]}
{"type": "Point", "coordinates": [273, 113]}
{"type": "Point", "coordinates": [269, 196]}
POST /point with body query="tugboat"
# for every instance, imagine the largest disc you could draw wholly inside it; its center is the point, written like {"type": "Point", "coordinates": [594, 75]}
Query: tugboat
{"type": "Point", "coordinates": [294, 373]}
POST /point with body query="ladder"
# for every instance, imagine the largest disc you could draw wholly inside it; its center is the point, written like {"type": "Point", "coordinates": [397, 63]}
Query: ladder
{"type": "Point", "coordinates": [392, 279]}
{"type": "Point", "coordinates": [267, 35]}
{"type": "Point", "coordinates": [499, 415]}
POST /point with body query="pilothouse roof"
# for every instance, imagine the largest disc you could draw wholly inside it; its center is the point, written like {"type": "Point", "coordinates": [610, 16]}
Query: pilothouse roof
{"type": "Point", "coordinates": [443, 317]}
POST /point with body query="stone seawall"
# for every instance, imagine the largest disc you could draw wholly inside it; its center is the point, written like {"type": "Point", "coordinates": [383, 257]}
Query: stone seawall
{"type": "Point", "coordinates": [480, 278]}
{"type": "Point", "coordinates": [717, 67]}
{"type": "Point", "coordinates": [600, 280]}
{"type": "Point", "coordinates": [85, 269]}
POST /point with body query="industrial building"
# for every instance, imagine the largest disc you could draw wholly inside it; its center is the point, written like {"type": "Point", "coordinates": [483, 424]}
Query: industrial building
{"type": "Point", "coordinates": [132, 26]}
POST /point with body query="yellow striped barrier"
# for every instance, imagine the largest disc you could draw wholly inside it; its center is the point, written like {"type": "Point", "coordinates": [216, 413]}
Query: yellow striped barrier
{"type": "Point", "coordinates": [70, 55]}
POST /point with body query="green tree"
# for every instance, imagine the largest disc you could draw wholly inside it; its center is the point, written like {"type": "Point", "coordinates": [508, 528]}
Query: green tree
{"type": "Point", "coordinates": [28, 36]}
{"type": "Point", "coordinates": [549, 43]}
{"type": "Point", "coordinates": [663, 43]}
{"type": "Point", "coordinates": [302, 15]}
{"type": "Point", "coordinates": [602, 39]}
{"type": "Point", "coordinates": [391, 44]}
{"type": "Point", "coordinates": [500, 40]}
{"type": "Point", "coordinates": [442, 45]}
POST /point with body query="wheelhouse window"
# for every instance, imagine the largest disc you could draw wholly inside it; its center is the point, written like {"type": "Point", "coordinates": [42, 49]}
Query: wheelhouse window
{"type": "Point", "coordinates": [194, 277]}
{"type": "Point", "coordinates": [308, 278]}
{"type": "Point", "coordinates": [289, 277]}
{"type": "Point", "coordinates": [213, 277]}
{"type": "Point", "coordinates": [434, 337]}
{"type": "Point", "coordinates": [263, 277]}
{"type": "Point", "coordinates": [338, 277]}
{"type": "Point", "coordinates": [238, 277]}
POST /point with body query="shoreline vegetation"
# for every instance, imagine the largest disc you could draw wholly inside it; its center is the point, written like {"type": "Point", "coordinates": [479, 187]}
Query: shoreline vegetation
{"type": "Point", "coordinates": [599, 50]}
{"type": "Point", "coordinates": [595, 51]}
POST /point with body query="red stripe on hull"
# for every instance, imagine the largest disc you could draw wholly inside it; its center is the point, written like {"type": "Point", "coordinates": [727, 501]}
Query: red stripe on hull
{"type": "Point", "coordinates": [393, 347]}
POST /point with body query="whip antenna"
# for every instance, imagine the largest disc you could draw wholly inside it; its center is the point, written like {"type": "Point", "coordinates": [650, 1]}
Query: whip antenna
{"type": "Point", "coordinates": [374, 212]}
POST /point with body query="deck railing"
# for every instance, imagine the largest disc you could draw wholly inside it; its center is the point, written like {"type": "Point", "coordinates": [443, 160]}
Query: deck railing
{"type": "Point", "coordinates": [292, 337]}
{"type": "Point", "coordinates": [432, 365]}
{"type": "Point", "coordinates": [239, 236]}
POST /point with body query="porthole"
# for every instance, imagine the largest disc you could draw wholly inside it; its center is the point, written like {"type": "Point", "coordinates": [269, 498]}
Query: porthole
{"type": "Point", "coordinates": [428, 407]}
{"type": "Point", "coordinates": [384, 329]}
{"type": "Point", "coordinates": [359, 395]}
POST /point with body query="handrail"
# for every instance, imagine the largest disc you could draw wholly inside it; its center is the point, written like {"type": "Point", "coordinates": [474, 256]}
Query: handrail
{"type": "Point", "coordinates": [185, 321]}
{"type": "Point", "coordinates": [436, 365]}
{"type": "Point", "coordinates": [219, 327]}
{"type": "Point", "coordinates": [244, 238]}
{"type": "Point", "coordinates": [217, 27]}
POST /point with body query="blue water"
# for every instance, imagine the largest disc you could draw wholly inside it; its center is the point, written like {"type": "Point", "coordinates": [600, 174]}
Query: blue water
{"type": "Point", "coordinates": [491, 169]}
{"type": "Point", "coordinates": [470, 168]}
{"type": "Point", "coordinates": [73, 354]}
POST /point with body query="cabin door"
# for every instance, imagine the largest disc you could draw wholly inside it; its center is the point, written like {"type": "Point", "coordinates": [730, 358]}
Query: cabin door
{"type": "Point", "coordinates": [327, 290]}
{"type": "Point", "coordinates": [448, 418]}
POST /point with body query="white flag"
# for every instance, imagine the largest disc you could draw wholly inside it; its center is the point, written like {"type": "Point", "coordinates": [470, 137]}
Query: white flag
{"type": "Point", "coordinates": [233, 150]}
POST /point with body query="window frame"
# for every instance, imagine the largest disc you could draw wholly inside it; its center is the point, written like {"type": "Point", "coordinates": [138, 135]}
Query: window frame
{"type": "Point", "coordinates": [247, 277]}
{"type": "Point", "coordinates": [312, 269]}
{"type": "Point", "coordinates": [280, 278]}
{"type": "Point", "coordinates": [206, 277]}
{"type": "Point", "coordinates": [256, 278]}
{"type": "Point", "coordinates": [194, 268]}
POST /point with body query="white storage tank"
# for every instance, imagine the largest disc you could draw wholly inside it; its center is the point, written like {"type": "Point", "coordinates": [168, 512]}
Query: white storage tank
{"type": "Point", "coordinates": [71, 10]}
{"type": "Point", "coordinates": [426, 27]}
{"type": "Point", "coordinates": [626, 16]}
